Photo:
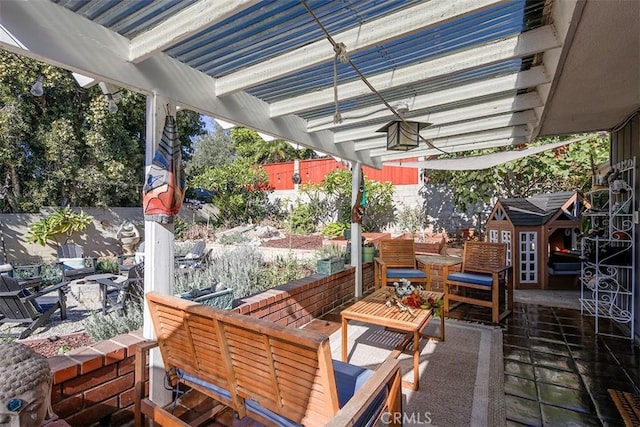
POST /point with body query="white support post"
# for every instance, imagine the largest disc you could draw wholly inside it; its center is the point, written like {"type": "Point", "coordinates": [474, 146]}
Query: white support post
{"type": "Point", "coordinates": [158, 250]}
{"type": "Point", "coordinates": [356, 229]}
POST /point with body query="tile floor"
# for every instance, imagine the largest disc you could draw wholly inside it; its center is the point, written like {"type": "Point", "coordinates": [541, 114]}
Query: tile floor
{"type": "Point", "coordinates": [557, 371]}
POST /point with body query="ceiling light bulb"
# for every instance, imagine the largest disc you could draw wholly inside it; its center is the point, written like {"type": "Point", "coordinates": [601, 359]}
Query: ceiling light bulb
{"type": "Point", "coordinates": [37, 89]}
{"type": "Point", "coordinates": [112, 106]}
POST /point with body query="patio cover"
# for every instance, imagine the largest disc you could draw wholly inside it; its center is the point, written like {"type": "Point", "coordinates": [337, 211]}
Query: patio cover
{"type": "Point", "coordinates": [486, 73]}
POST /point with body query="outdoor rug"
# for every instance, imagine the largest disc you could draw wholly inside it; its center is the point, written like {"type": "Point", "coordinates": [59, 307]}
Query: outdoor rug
{"type": "Point", "coordinates": [461, 379]}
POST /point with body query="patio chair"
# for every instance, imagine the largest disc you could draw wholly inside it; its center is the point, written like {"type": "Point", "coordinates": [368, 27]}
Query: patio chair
{"type": "Point", "coordinates": [484, 271]}
{"type": "Point", "coordinates": [196, 257]}
{"type": "Point", "coordinates": [117, 293]}
{"type": "Point", "coordinates": [73, 263]}
{"type": "Point", "coordinates": [397, 260]}
{"type": "Point", "coordinates": [27, 275]}
{"type": "Point", "coordinates": [20, 305]}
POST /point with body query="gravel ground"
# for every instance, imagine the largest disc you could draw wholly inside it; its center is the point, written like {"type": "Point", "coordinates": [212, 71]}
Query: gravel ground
{"type": "Point", "coordinates": [57, 333]}
{"type": "Point", "coordinates": [83, 299]}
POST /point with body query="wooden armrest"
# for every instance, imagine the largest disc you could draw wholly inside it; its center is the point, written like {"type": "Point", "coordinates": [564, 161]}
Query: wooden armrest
{"type": "Point", "coordinates": [378, 260]}
{"type": "Point", "coordinates": [388, 374]}
{"type": "Point", "coordinates": [475, 269]}
{"type": "Point", "coordinates": [10, 293]}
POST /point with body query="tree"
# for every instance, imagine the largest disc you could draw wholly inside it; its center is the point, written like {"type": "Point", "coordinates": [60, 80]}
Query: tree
{"type": "Point", "coordinates": [567, 168]}
{"type": "Point", "coordinates": [65, 148]}
{"type": "Point", "coordinates": [210, 150]}
{"type": "Point", "coordinates": [331, 201]}
{"type": "Point", "coordinates": [240, 192]}
{"type": "Point", "coordinates": [251, 146]}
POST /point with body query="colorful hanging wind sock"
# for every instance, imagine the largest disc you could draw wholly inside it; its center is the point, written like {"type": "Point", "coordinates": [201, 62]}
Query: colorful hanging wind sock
{"type": "Point", "coordinates": [163, 190]}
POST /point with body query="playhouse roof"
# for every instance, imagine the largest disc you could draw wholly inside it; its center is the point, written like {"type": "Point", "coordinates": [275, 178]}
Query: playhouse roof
{"type": "Point", "coordinates": [535, 210]}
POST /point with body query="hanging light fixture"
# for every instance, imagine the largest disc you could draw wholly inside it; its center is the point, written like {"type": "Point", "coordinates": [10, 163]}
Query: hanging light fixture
{"type": "Point", "coordinates": [113, 97]}
{"type": "Point", "coordinates": [112, 105]}
{"type": "Point", "coordinates": [403, 135]}
{"type": "Point", "coordinates": [37, 87]}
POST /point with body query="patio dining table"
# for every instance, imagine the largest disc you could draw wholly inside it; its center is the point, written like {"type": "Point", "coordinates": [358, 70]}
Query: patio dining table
{"type": "Point", "coordinates": [374, 309]}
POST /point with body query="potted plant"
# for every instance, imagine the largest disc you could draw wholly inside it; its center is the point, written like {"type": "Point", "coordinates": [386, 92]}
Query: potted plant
{"type": "Point", "coordinates": [62, 222]}
{"type": "Point", "coordinates": [368, 251]}
{"type": "Point", "coordinates": [331, 259]}
{"type": "Point", "coordinates": [201, 285]}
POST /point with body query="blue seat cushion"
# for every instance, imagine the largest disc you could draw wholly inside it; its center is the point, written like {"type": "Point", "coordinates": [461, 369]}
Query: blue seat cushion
{"type": "Point", "coordinates": [406, 273]}
{"type": "Point", "coordinates": [349, 378]}
{"type": "Point", "coordinates": [473, 278]}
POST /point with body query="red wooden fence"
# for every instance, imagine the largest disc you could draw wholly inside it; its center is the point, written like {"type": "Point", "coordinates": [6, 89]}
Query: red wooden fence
{"type": "Point", "coordinates": [280, 174]}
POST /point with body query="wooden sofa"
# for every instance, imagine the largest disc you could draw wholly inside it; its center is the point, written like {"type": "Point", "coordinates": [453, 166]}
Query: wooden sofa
{"type": "Point", "coordinates": [484, 271]}
{"type": "Point", "coordinates": [273, 374]}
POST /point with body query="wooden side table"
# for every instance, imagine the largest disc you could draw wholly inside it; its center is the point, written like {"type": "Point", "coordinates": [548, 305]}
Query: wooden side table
{"type": "Point", "coordinates": [429, 261]}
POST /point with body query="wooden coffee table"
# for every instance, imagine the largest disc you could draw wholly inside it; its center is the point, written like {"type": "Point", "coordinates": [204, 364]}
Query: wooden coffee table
{"type": "Point", "coordinates": [373, 309]}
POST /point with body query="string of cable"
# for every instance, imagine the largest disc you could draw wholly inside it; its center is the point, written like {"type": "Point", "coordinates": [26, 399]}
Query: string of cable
{"type": "Point", "coordinates": [340, 49]}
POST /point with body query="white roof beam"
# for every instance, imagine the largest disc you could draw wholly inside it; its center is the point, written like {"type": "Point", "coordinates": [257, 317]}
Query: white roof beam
{"type": "Point", "coordinates": [182, 25]}
{"type": "Point", "coordinates": [503, 120]}
{"type": "Point", "coordinates": [458, 149]}
{"type": "Point", "coordinates": [503, 105]}
{"type": "Point", "coordinates": [103, 55]}
{"type": "Point", "coordinates": [526, 44]}
{"type": "Point", "coordinates": [385, 29]}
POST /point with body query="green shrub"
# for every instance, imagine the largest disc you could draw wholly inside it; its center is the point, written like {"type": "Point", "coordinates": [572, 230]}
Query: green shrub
{"type": "Point", "coordinates": [283, 270]}
{"type": "Point", "coordinates": [50, 273]}
{"type": "Point", "coordinates": [107, 265]}
{"type": "Point", "coordinates": [301, 219]}
{"type": "Point", "coordinates": [334, 229]}
{"type": "Point", "coordinates": [240, 192]}
{"type": "Point", "coordinates": [102, 326]}
{"type": "Point", "coordinates": [232, 239]}
{"type": "Point", "coordinates": [194, 279]}
{"type": "Point", "coordinates": [331, 200]}
{"type": "Point", "coordinates": [411, 218]}
{"type": "Point", "coordinates": [331, 251]}
{"type": "Point", "coordinates": [180, 226]}
{"type": "Point", "coordinates": [239, 269]}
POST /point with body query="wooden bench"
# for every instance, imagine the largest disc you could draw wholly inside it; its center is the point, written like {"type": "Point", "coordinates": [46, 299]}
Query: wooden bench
{"type": "Point", "coordinates": [485, 271]}
{"type": "Point", "coordinates": [273, 374]}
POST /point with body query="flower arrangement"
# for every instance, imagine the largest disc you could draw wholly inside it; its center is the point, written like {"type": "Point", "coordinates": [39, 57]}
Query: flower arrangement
{"type": "Point", "coordinates": [407, 298]}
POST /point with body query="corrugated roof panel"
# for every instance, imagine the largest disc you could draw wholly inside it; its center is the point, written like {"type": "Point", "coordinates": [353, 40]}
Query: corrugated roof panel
{"type": "Point", "coordinates": [271, 28]}
{"type": "Point", "coordinates": [408, 91]}
{"type": "Point", "coordinates": [487, 26]}
{"type": "Point", "coordinates": [128, 18]}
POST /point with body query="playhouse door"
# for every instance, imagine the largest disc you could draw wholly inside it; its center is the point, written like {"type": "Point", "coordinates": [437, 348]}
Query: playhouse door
{"type": "Point", "coordinates": [528, 262]}
{"type": "Point", "coordinates": [502, 236]}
